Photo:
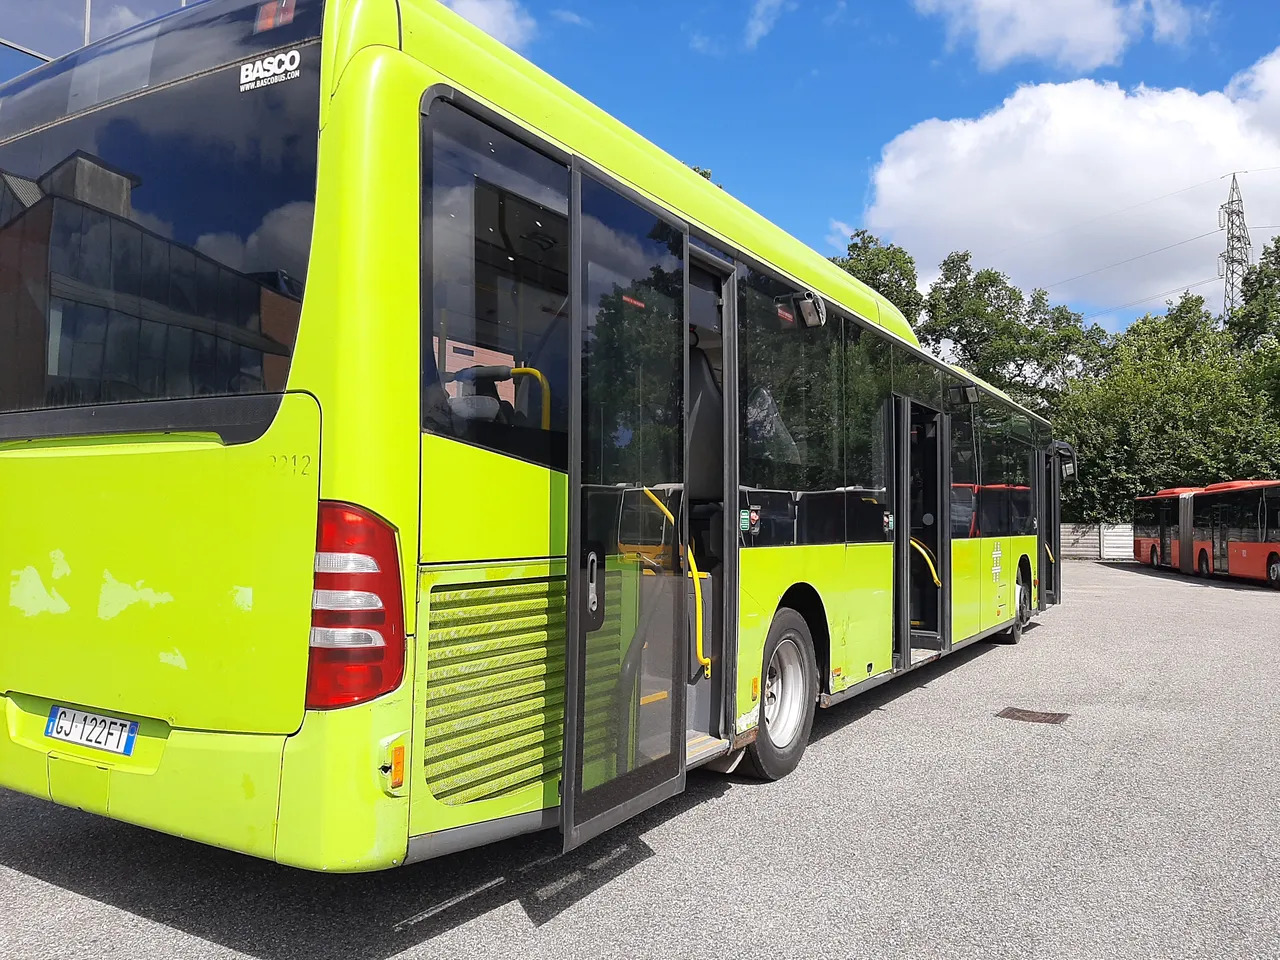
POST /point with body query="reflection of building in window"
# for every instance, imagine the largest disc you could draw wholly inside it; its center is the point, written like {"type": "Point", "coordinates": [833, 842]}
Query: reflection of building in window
{"type": "Point", "coordinates": [97, 309]}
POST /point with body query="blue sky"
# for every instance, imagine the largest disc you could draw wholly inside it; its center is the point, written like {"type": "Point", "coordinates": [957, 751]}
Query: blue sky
{"type": "Point", "coordinates": [1013, 128]}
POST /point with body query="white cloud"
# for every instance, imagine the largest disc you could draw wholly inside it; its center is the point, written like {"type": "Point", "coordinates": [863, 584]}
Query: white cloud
{"type": "Point", "coordinates": [569, 17]}
{"type": "Point", "coordinates": [505, 20]}
{"type": "Point", "coordinates": [1041, 187]}
{"type": "Point", "coordinates": [1171, 21]}
{"type": "Point", "coordinates": [701, 43]}
{"type": "Point", "coordinates": [1074, 34]}
{"type": "Point", "coordinates": [839, 236]}
{"type": "Point", "coordinates": [764, 16]}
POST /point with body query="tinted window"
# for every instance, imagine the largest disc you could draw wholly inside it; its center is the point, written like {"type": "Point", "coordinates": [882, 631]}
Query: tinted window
{"type": "Point", "coordinates": [1273, 516]}
{"type": "Point", "coordinates": [789, 388]}
{"type": "Point", "coordinates": [496, 238]}
{"type": "Point", "coordinates": [996, 453]}
{"type": "Point", "coordinates": [868, 415]}
{"type": "Point", "coordinates": [158, 247]}
{"type": "Point", "coordinates": [1146, 521]}
{"type": "Point", "coordinates": [964, 472]}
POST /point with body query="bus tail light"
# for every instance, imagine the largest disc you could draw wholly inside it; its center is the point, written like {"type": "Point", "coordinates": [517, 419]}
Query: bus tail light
{"type": "Point", "coordinates": [357, 646]}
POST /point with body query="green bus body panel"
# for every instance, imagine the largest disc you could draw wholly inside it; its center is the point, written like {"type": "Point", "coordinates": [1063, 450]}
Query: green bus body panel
{"type": "Point", "coordinates": [168, 579]}
{"type": "Point", "coordinates": [855, 584]}
{"type": "Point", "coordinates": [480, 505]}
{"type": "Point", "coordinates": [473, 61]}
{"type": "Point", "coordinates": [867, 595]}
{"type": "Point", "coordinates": [967, 582]}
{"type": "Point", "coordinates": [358, 344]}
{"type": "Point", "coordinates": [358, 351]}
{"type": "Point", "coordinates": [338, 812]}
{"type": "Point", "coordinates": [217, 788]}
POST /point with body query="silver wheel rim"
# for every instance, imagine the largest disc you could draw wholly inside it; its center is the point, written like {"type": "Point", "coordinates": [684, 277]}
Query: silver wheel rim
{"type": "Point", "coordinates": [1274, 572]}
{"type": "Point", "coordinates": [784, 693]}
{"type": "Point", "coordinates": [1024, 608]}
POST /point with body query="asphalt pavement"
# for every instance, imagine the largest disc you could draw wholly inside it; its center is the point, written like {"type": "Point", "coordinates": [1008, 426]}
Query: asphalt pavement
{"type": "Point", "coordinates": [919, 824]}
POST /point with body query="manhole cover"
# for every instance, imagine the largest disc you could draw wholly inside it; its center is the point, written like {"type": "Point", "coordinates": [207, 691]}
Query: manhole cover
{"type": "Point", "coordinates": [1031, 716]}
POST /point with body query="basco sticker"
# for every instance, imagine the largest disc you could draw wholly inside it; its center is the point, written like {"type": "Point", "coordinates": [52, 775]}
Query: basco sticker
{"type": "Point", "coordinates": [274, 69]}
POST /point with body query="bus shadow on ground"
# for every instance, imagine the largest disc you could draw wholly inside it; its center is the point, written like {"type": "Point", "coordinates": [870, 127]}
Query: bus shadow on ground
{"type": "Point", "coordinates": [827, 722]}
{"type": "Point", "coordinates": [1212, 583]}
{"type": "Point", "coordinates": [278, 913]}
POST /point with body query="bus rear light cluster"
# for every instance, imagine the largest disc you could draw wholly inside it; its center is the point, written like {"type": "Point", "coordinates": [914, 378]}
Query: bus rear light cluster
{"type": "Point", "coordinates": [357, 648]}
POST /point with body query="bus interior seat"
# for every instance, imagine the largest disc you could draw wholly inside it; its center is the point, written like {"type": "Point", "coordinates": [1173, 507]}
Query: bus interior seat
{"type": "Point", "coordinates": [475, 406]}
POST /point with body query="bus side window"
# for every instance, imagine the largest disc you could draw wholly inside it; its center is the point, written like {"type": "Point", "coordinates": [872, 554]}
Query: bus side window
{"type": "Point", "coordinates": [495, 363]}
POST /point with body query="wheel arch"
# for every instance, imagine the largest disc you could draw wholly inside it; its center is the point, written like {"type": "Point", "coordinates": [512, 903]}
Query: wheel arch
{"type": "Point", "coordinates": [1024, 568]}
{"type": "Point", "coordinates": [804, 600]}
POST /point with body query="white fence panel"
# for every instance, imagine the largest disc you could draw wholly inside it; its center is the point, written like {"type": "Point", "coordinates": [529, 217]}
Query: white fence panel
{"type": "Point", "coordinates": [1080, 541]}
{"type": "Point", "coordinates": [1117, 541]}
{"type": "Point", "coordinates": [1089, 541]}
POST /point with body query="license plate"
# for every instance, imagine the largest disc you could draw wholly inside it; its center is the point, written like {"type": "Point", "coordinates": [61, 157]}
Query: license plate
{"type": "Point", "coordinates": [91, 730]}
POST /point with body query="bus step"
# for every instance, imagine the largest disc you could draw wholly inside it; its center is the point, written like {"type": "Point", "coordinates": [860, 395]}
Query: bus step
{"type": "Point", "coordinates": [700, 748]}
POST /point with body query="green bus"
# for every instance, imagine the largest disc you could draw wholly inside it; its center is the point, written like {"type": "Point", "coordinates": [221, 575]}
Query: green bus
{"type": "Point", "coordinates": [398, 454]}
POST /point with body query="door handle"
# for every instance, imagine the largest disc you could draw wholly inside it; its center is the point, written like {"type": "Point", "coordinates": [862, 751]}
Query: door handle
{"type": "Point", "coordinates": [593, 596]}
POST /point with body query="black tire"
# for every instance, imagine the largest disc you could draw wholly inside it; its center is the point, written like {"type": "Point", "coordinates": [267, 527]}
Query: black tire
{"type": "Point", "coordinates": [1202, 567]}
{"type": "Point", "coordinates": [1155, 558]}
{"type": "Point", "coordinates": [1022, 614]}
{"type": "Point", "coordinates": [765, 758]}
{"type": "Point", "coordinates": [1273, 571]}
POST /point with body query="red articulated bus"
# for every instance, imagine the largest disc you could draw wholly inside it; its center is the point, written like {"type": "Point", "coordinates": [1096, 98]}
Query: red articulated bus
{"type": "Point", "coordinates": [1224, 529]}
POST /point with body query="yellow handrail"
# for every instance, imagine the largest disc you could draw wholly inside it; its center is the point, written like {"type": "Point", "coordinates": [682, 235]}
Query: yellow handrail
{"type": "Point", "coordinates": [697, 586]}
{"type": "Point", "coordinates": [1050, 553]}
{"type": "Point", "coordinates": [928, 559]}
{"type": "Point", "coordinates": [546, 391]}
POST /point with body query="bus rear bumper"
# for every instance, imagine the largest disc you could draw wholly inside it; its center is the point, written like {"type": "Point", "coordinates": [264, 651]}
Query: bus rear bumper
{"type": "Point", "coordinates": [216, 788]}
{"type": "Point", "coordinates": [318, 799]}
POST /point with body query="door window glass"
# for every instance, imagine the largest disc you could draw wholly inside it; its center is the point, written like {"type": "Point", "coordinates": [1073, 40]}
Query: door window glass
{"type": "Point", "coordinates": [633, 654]}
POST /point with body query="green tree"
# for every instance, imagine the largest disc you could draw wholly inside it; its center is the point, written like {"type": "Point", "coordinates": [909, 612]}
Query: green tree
{"type": "Point", "coordinates": [1175, 403]}
{"type": "Point", "coordinates": [886, 268]}
{"type": "Point", "coordinates": [1257, 321]}
{"type": "Point", "coordinates": [1024, 345]}
{"type": "Point", "coordinates": [704, 173]}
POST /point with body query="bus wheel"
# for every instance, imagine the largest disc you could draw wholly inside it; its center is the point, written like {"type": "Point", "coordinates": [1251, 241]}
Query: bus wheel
{"type": "Point", "coordinates": [1204, 564]}
{"type": "Point", "coordinates": [788, 697]}
{"type": "Point", "coordinates": [1273, 571]}
{"type": "Point", "coordinates": [1023, 615]}
{"type": "Point", "coordinates": [1155, 560]}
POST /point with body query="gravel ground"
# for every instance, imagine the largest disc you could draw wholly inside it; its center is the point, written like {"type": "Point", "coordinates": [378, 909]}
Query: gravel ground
{"type": "Point", "coordinates": [918, 825]}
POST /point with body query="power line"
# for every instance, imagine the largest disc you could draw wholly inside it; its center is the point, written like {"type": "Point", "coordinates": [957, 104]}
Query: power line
{"type": "Point", "coordinates": [1154, 296]}
{"type": "Point", "coordinates": [1135, 206]}
{"type": "Point", "coordinates": [1112, 213]}
{"type": "Point", "coordinates": [1140, 256]}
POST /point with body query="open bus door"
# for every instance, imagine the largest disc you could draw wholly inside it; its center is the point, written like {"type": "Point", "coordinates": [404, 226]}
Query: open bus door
{"type": "Point", "coordinates": [1059, 467]}
{"type": "Point", "coordinates": [626, 642]}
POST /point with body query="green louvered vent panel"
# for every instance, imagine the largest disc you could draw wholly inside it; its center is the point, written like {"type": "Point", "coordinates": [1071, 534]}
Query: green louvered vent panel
{"type": "Point", "coordinates": [495, 686]}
